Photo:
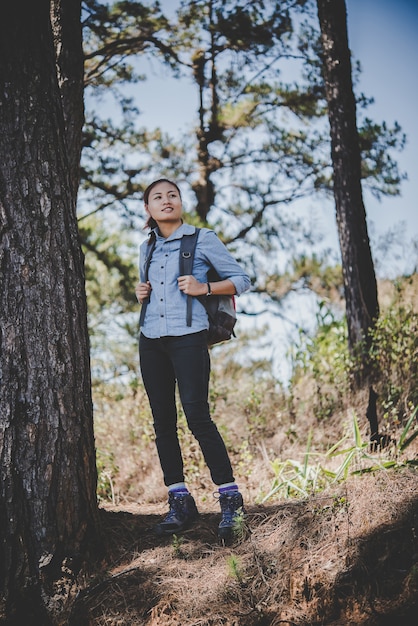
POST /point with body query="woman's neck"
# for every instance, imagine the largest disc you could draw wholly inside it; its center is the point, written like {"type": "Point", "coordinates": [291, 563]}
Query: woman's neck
{"type": "Point", "coordinates": [167, 228]}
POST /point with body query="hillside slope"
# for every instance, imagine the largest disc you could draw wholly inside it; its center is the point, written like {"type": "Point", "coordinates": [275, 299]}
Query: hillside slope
{"type": "Point", "coordinates": [331, 532]}
{"type": "Point", "coordinates": [349, 556]}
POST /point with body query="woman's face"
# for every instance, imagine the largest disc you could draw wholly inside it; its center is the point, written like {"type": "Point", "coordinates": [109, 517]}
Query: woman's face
{"type": "Point", "coordinates": [164, 203]}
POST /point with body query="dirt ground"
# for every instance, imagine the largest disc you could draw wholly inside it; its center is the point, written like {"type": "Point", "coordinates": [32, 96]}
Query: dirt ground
{"type": "Point", "coordinates": [344, 557]}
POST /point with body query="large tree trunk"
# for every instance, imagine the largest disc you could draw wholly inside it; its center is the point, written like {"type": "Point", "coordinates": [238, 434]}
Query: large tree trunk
{"type": "Point", "coordinates": [358, 271]}
{"type": "Point", "coordinates": [48, 506]}
{"type": "Point", "coordinates": [66, 28]}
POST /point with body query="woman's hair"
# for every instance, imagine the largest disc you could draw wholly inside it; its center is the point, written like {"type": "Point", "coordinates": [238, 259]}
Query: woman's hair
{"type": "Point", "coordinates": [151, 223]}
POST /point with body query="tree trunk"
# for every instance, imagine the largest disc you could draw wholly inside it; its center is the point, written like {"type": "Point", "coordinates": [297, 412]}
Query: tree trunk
{"type": "Point", "coordinates": [358, 271]}
{"type": "Point", "coordinates": [48, 506]}
{"type": "Point", "coordinates": [66, 28]}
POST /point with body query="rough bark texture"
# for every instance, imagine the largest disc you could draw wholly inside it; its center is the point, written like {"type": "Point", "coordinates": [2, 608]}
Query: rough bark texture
{"type": "Point", "coordinates": [358, 270]}
{"type": "Point", "coordinates": [48, 502]}
{"type": "Point", "coordinates": [66, 28]}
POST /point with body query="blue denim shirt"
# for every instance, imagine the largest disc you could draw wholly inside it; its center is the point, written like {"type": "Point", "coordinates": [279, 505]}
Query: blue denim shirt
{"type": "Point", "coordinates": [166, 311]}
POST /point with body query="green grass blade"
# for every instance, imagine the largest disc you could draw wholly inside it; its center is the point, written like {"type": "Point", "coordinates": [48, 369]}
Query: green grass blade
{"type": "Point", "coordinates": [406, 442]}
{"type": "Point", "coordinates": [403, 442]}
{"type": "Point", "coordinates": [357, 434]}
{"type": "Point", "coordinates": [343, 469]}
{"type": "Point", "coordinates": [306, 457]}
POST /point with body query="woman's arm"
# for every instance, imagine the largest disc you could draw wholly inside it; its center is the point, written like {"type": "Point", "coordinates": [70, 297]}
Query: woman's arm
{"type": "Point", "coordinates": [192, 287]}
{"type": "Point", "coordinates": [233, 279]}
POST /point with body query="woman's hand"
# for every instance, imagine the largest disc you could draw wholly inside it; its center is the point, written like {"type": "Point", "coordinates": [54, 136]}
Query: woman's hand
{"type": "Point", "coordinates": [192, 287]}
{"type": "Point", "coordinates": [142, 291]}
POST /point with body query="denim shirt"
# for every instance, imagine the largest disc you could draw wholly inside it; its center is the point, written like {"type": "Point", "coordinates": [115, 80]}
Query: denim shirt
{"type": "Point", "coordinates": [166, 311]}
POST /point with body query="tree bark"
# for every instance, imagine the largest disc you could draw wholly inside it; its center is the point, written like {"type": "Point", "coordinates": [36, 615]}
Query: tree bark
{"type": "Point", "coordinates": [358, 270]}
{"type": "Point", "coordinates": [48, 506]}
{"type": "Point", "coordinates": [67, 33]}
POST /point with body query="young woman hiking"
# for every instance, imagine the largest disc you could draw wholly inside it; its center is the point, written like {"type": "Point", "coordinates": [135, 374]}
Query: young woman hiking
{"type": "Point", "coordinates": [172, 352]}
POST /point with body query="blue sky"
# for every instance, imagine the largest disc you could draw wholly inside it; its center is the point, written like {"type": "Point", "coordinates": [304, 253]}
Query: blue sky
{"type": "Point", "coordinates": [383, 35]}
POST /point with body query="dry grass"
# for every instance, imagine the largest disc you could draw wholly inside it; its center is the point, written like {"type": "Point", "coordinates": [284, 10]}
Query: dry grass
{"type": "Point", "coordinates": [347, 554]}
{"type": "Point", "coordinates": [345, 557]}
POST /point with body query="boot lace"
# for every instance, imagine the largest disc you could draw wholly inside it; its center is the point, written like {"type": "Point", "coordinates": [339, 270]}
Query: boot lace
{"type": "Point", "coordinates": [177, 510]}
{"type": "Point", "coordinates": [231, 507]}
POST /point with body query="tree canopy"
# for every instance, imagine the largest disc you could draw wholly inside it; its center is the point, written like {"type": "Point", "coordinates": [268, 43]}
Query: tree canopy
{"type": "Point", "coordinates": [257, 152]}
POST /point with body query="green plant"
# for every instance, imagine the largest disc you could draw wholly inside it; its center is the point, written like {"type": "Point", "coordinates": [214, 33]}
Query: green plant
{"type": "Point", "coordinates": [352, 454]}
{"type": "Point", "coordinates": [239, 528]}
{"type": "Point", "coordinates": [301, 479]}
{"type": "Point", "coordinates": [404, 440]}
{"type": "Point", "coordinates": [359, 452]}
{"type": "Point", "coordinates": [106, 471]}
{"type": "Point", "coordinates": [324, 357]}
{"type": "Point", "coordinates": [246, 459]}
{"type": "Point", "coordinates": [394, 359]}
{"type": "Point", "coordinates": [254, 411]}
{"type": "Point", "coordinates": [294, 478]}
{"type": "Point", "coordinates": [235, 568]}
{"type": "Point", "coordinates": [177, 543]}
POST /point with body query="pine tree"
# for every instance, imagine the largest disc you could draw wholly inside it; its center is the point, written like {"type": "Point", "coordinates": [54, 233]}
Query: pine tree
{"type": "Point", "coordinates": [360, 287]}
{"type": "Point", "coordinates": [48, 505]}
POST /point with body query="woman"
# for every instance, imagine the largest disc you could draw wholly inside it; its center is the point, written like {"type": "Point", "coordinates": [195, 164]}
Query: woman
{"type": "Point", "coordinates": [171, 351]}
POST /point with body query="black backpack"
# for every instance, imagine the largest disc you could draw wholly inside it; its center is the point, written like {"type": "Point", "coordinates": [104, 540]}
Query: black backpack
{"type": "Point", "coordinates": [220, 309]}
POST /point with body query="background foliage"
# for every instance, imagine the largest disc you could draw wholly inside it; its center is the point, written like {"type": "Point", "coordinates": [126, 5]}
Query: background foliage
{"type": "Point", "coordinates": [251, 163]}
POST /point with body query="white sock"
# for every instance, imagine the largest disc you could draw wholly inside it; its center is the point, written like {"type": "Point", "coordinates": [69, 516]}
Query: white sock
{"type": "Point", "coordinates": [178, 488]}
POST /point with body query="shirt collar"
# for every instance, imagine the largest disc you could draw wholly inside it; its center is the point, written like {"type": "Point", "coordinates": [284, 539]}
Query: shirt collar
{"type": "Point", "coordinates": [184, 229]}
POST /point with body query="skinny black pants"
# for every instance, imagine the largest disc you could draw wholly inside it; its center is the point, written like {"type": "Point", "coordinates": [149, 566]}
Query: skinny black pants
{"type": "Point", "coordinates": [184, 360]}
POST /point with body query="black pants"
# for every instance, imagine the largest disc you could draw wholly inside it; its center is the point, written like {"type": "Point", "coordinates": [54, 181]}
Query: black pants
{"type": "Point", "coordinates": [185, 360]}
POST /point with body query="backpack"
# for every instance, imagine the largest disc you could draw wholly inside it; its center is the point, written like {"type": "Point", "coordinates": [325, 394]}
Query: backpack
{"type": "Point", "coordinates": [220, 309]}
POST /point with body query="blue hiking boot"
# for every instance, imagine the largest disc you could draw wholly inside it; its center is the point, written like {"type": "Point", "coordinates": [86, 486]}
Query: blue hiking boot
{"type": "Point", "coordinates": [182, 514]}
{"type": "Point", "coordinates": [232, 509]}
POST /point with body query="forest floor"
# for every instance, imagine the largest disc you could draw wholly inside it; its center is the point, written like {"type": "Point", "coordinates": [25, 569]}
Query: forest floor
{"type": "Point", "coordinates": [337, 546]}
{"type": "Point", "coordinates": [344, 557]}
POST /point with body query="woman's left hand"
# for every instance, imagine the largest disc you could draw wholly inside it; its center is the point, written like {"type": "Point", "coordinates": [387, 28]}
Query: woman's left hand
{"type": "Point", "coordinates": [192, 287]}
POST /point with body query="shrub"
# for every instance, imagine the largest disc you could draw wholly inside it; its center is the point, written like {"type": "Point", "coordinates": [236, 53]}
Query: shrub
{"type": "Point", "coordinates": [394, 359]}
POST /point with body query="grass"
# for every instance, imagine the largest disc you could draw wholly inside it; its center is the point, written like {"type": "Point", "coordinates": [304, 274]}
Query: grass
{"type": "Point", "coordinates": [329, 532]}
{"type": "Point", "coordinates": [303, 479]}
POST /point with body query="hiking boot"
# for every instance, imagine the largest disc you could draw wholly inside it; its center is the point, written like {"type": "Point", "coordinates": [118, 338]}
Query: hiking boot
{"type": "Point", "coordinates": [182, 513]}
{"type": "Point", "coordinates": [232, 509]}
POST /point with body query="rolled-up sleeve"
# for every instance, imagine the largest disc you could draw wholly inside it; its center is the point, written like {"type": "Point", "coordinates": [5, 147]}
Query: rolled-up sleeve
{"type": "Point", "coordinates": [218, 256]}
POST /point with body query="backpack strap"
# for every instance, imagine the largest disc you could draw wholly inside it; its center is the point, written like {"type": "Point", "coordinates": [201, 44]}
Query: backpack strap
{"type": "Point", "coordinates": [187, 250]}
{"type": "Point", "coordinates": [148, 255]}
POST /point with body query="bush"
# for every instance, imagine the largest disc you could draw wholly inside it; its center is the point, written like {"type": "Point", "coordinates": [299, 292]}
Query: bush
{"type": "Point", "coordinates": [394, 359]}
